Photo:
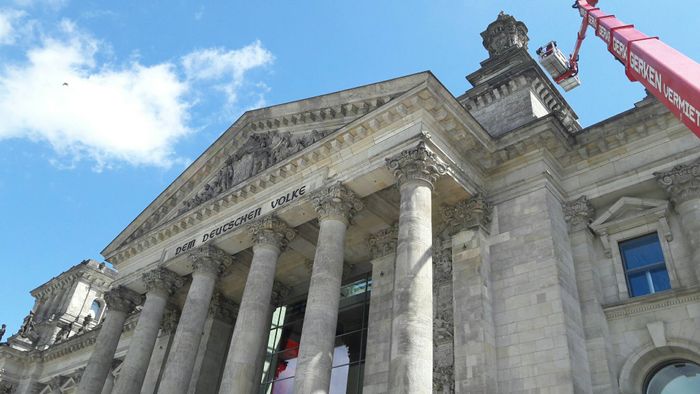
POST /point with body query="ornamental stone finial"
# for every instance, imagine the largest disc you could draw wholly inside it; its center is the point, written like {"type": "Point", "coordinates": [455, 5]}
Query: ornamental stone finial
{"type": "Point", "coordinates": [682, 182]}
{"type": "Point", "coordinates": [122, 299]}
{"type": "Point", "coordinates": [270, 230]}
{"type": "Point", "coordinates": [472, 212]}
{"type": "Point", "coordinates": [416, 164]}
{"type": "Point", "coordinates": [578, 213]}
{"type": "Point", "coordinates": [162, 280]}
{"type": "Point", "coordinates": [336, 202]}
{"type": "Point", "coordinates": [280, 292]}
{"type": "Point", "coordinates": [504, 33]}
{"type": "Point", "coordinates": [383, 243]}
{"type": "Point", "coordinates": [210, 260]}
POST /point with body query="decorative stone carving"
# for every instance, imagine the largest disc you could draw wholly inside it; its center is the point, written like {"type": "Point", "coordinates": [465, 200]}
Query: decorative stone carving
{"type": "Point", "coordinates": [122, 299]}
{"type": "Point", "coordinates": [210, 260]}
{"type": "Point", "coordinates": [260, 151]}
{"type": "Point", "coordinates": [443, 318]}
{"type": "Point", "coordinates": [416, 164]}
{"type": "Point", "coordinates": [223, 308]}
{"type": "Point", "coordinates": [384, 242]}
{"type": "Point", "coordinates": [578, 213]}
{"type": "Point", "coordinates": [443, 379]}
{"type": "Point", "coordinates": [171, 316]}
{"type": "Point", "coordinates": [503, 34]}
{"type": "Point", "coordinates": [442, 265]}
{"type": "Point", "coordinates": [682, 182]}
{"type": "Point", "coordinates": [270, 230]}
{"type": "Point", "coordinates": [27, 325]}
{"type": "Point", "coordinates": [6, 387]}
{"type": "Point", "coordinates": [469, 213]}
{"type": "Point", "coordinates": [336, 202]}
{"type": "Point", "coordinates": [162, 280]}
{"type": "Point", "coordinates": [280, 292]}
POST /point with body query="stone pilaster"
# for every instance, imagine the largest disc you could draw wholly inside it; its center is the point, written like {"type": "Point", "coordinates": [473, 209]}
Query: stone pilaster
{"type": "Point", "coordinates": [578, 215]}
{"type": "Point", "coordinates": [682, 183]}
{"type": "Point", "coordinates": [160, 284]}
{"type": "Point", "coordinates": [474, 332]}
{"type": "Point", "coordinates": [335, 206]}
{"type": "Point", "coordinates": [270, 235]}
{"type": "Point", "coordinates": [120, 302]}
{"type": "Point", "coordinates": [411, 367]}
{"type": "Point", "coordinates": [207, 263]}
{"type": "Point", "coordinates": [382, 246]}
{"type": "Point", "coordinates": [443, 319]}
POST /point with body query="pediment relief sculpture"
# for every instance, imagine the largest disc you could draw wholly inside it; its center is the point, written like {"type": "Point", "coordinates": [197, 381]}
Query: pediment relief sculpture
{"type": "Point", "coordinates": [259, 152]}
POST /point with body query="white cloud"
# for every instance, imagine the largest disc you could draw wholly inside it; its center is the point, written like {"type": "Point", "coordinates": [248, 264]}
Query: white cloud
{"type": "Point", "coordinates": [226, 68]}
{"type": "Point", "coordinates": [85, 108]}
{"type": "Point", "coordinates": [8, 20]}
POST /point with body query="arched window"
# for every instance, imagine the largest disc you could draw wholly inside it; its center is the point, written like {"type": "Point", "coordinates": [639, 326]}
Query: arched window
{"type": "Point", "coordinates": [95, 309]}
{"type": "Point", "coordinates": [677, 377]}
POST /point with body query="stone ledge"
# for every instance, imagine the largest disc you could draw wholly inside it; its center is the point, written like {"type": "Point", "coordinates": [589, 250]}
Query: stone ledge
{"type": "Point", "coordinates": [652, 302]}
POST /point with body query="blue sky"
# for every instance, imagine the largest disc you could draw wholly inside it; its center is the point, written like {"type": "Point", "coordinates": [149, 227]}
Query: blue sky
{"type": "Point", "coordinates": [151, 84]}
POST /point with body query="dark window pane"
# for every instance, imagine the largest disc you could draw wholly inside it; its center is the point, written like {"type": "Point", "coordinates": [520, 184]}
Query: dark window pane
{"type": "Point", "coordinates": [639, 285]}
{"type": "Point", "coordinates": [659, 277]}
{"type": "Point", "coordinates": [642, 251]}
{"type": "Point", "coordinates": [348, 348]}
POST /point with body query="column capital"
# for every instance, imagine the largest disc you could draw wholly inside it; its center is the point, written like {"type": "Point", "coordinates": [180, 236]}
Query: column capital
{"type": "Point", "coordinates": [578, 213]}
{"type": "Point", "coordinates": [682, 182]}
{"type": "Point", "coordinates": [122, 299]}
{"type": "Point", "coordinates": [416, 164]}
{"type": "Point", "coordinates": [336, 202]}
{"type": "Point", "coordinates": [469, 213]}
{"type": "Point", "coordinates": [162, 281]}
{"type": "Point", "coordinates": [223, 308]}
{"type": "Point", "coordinates": [272, 231]}
{"type": "Point", "coordinates": [383, 243]}
{"type": "Point", "coordinates": [280, 291]}
{"type": "Point", "coordinates": [208, 259]}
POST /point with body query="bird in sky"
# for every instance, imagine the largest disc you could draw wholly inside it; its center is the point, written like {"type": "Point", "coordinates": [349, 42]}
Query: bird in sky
{"type": "Point", "coordinates": [65, 83]}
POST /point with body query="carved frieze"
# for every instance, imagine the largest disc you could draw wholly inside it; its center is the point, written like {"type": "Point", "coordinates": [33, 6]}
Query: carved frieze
{"type": "Point", "coordinates": [682, 182]}
{"type": "Point", "coordinates": [578, 213]}
{"type": "Point", "coordinates": [416, 164]}
{"type": "Point", "coordinates": [336, 202]}
{"type": "Point", "coordinates": [271, 230]}
{"type": "Point", "coordinates": [260, 151]}
{"type": "Point", "coordinates": [384, 242]}
{"type": "Point", "coordinates": [469, 213]}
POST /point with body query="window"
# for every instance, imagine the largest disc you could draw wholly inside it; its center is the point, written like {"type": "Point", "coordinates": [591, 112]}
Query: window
{"type": "Point", "coordinates": [350, 343]}
{"type": "Point", "coordinates": [680, 377]}
{"type": "Point", "coordinates": [645, 269]}
{"type": "Point", "coordinates": [95, 310]}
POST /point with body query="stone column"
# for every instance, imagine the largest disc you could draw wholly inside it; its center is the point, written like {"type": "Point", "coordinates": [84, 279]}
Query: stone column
{"type": "Point", "coordinates": [270, 235]}
{"type": "Point", "coordinates": [382, 246]}
{"type": "Point", "coordinates": [472, 301]}
{"type": "Point", "coordinates": [120, 302]}
{"type": "Point", "coordinates": [335, 206]}
{"type": "Point", "coordinates": [160, 284]}
{"type": "Point", "coordinates": [411, 369]}
{"type": "Point", "coordinates": [682, 183]}
{"type": "Point", "coordinates": [207, 263]}
{"type": "Point", "coordinates": [601, 359]}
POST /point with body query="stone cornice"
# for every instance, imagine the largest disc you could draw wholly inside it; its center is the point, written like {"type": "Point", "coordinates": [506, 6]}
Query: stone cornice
{"type": "Point", "coordinates": [682, 182]}
{"type": "Point", "coordinates": [650, 303]}
{"type": "Point", "coordinates": [87, 270]}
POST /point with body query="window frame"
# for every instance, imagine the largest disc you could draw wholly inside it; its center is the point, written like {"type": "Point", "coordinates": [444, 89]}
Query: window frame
{"type": "Point", "coordinates": [648, 216]}
{"type": "Point", "coordinates": [646, 268]}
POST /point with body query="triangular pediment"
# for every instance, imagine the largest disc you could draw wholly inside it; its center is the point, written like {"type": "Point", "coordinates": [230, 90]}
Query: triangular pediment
{"type": "Point", "coordinates": [258, 140]}
{"type": "Point", "coordinates": [628, 212]}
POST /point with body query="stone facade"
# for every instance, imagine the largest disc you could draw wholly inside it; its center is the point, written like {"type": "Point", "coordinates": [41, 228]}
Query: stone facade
{"type": "Point", "coordinates": [491, 224]}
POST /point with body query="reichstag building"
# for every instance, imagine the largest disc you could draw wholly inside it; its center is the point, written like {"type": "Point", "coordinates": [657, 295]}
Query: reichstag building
{"type": "Point", "coordinates": [394, 238]}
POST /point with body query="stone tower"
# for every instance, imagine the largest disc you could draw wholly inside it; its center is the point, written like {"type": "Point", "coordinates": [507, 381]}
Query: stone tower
{"type": "Point", "coordinates": [510, 89]}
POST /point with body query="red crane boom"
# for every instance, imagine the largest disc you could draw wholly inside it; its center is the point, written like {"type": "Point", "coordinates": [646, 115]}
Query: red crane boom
{"type": "Point", "coordinates": [668, 74]}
